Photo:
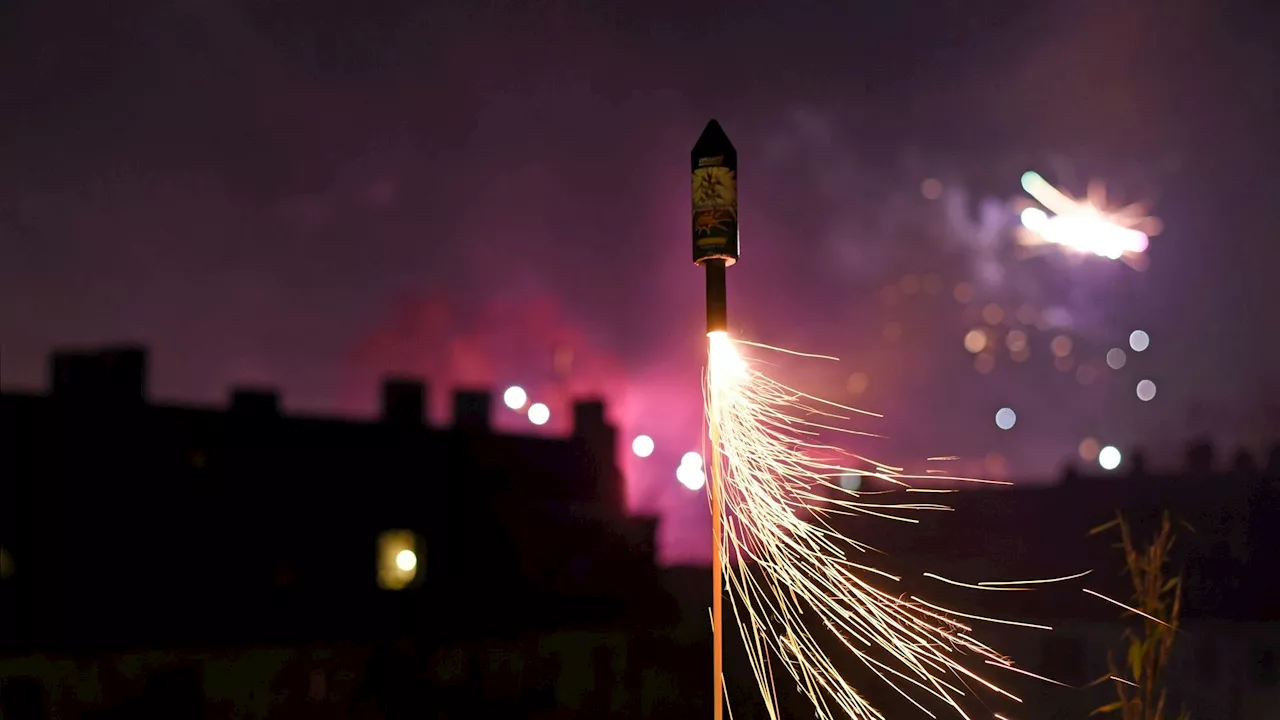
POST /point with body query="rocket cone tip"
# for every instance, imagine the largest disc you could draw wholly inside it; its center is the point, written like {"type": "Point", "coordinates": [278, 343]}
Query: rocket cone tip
{"type": "Point", "coordinates": [713, 138]}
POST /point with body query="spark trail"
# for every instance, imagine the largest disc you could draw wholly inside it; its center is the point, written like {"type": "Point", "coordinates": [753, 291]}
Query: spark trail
{"type": "Point", "coordinates": [787, 577]}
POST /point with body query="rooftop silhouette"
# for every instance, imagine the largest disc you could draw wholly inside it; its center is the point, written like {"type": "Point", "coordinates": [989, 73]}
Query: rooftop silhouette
{"type": "Point", "coordinates": [202, 535]}
{"type": "Point", "coordinates": [134, 524]}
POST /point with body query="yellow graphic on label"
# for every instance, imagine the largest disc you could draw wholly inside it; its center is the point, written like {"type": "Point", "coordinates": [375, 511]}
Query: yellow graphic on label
{"type": "Point", "coordinates": [715, 206]}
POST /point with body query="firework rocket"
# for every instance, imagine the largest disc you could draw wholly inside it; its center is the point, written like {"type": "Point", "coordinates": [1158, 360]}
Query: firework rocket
{"type": "Point", "coordinates": [714, 166]}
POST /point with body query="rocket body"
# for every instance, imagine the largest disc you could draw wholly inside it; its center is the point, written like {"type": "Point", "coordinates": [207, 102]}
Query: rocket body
{"type": "Point", "coordinates": [714, 170]}
{"type": "Point", "coordinates": [714, 167]}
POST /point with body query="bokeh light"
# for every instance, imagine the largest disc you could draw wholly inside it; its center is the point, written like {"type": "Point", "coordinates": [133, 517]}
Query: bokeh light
{"type": "Point", "coordinates": [642, 446]}
{"type": "Point", "coordinates": [1016, 341]}
{"type": "Point", "coordinates": [1088, 449]}
{"type": "Point", "coordinates": [1086, 374]}
{"type": "Point", "coordinates": [1061, 346]}
{"type": "Point", "coordinates": [1109, 457]}
{"type": "Point", "coordinates": [1115, 358]}
{"type": "Point", "coordinates": [1139, 340]}
{"type": "Point", "coordinates": [975, 341]}
{"type": "Point", "coordinates": [1006, 418]}
{"type": "Point", "coordinates": [850, 481]}
{"type": "Point", "coordinates": [515, 397]}
{"type": "Point", "coordinates": [992, 314]}
{"type": "Point", "coordinates": [691, 459]}
{"type": "Point", "coordinates": [995, 466]}
{"type": "Point", "coordinates": [563, 361]}
{"type": "Point", "coordinates": [857, 383]}
{"type": "Point", "coordinates": [984, 363]}
{"type": "Point", "coordinates": [931, 189]}
{"type": "Point", "coordinates": [691, 476]}
{"type": "Point", "coordinates": [1146, 390]}
{"type": "Point", "coordinates": [539, 414]}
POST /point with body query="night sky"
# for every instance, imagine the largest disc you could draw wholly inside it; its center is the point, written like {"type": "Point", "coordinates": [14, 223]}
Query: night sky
{"type": "Point", "coordinates": [309, 194]}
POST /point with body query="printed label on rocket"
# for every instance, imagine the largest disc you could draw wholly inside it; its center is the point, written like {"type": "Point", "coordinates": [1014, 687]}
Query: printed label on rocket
{"type": "Point", "coordinates": [715, 211]}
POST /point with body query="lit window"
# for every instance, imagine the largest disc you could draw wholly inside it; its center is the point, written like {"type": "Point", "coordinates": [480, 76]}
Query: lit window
{"type": "Point", "coordinates": [400, 556]}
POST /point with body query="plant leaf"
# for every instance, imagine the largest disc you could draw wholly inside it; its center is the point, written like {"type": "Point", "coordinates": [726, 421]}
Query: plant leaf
{"type": "Point", "coordinates": [1108, 708]}
{"type": "Point", "coordinates": [1104, 527]}
{"type": "Point", "coordinates": [1136, 653]}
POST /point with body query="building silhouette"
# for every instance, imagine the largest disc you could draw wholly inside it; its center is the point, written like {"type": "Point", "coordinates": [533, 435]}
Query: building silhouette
{"type": "Point", "coordinates": [176, 562]}
{"type": "Point", "coordinates": [195, 533]}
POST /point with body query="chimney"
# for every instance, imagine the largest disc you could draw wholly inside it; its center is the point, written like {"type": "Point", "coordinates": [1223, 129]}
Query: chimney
{"type": "Point", "coordinates": [258, 403]}
{"type": "Point", "coordinates": [404, 402]}
{"type": "Point", "coordinates": [599, 440]}
{"type": "Point", "coordinates": [588, 418]}
{"type": "Point", "coordinates": [113, 374]}
{"type": "Point", "coordinates": [124, 372]}
{"type": "Point", "coordinates": [72, 373]}
{"type": "Point", "coordinates": [1244, 463]}
{"type": "Point", "coordinates": [1199, 457]}
{"type": "Point", "coordinates": [471, 409]}
{"type": "Point", "coordinates": [1137, 464]}
{"type": "Point", "coordinates": [1070, 473]}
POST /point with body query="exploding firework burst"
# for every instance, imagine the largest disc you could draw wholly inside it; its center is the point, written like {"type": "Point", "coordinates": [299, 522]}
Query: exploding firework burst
{"type": "Point", "coordinates": [788, 570]}
{"type": "Point", "coordinates": [1085, 226]}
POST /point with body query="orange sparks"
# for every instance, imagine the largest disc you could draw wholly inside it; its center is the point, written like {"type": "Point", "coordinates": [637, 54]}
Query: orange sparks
{"type": "Point", "coordinates": [1133, 610]}
{"type": "Point", "coordinates": [783, 572]}
{"type": "Point", "coordinates": [999, 583]}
